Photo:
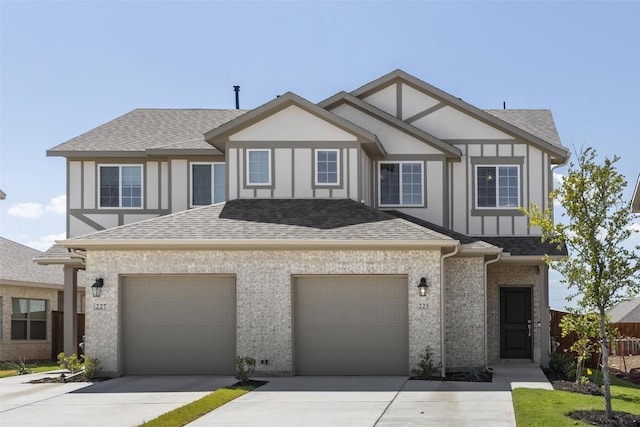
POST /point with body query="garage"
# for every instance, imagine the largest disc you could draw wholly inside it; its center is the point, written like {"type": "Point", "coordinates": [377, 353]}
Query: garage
{"type": "Point", "coordinates": [351, 325]}
{"type": "Point", "coordinates": [179, 325]}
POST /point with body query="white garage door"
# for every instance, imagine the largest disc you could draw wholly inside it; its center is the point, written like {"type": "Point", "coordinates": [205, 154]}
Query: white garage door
{"type": "Point", "coordinates": [179, 325]}
{"type": "Point", "coordinates": [351, 325]}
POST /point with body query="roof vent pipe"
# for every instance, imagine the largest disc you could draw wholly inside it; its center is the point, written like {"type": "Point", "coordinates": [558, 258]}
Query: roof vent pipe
{"type": "Point", "coordinates": [236, 89]}
{"type": "Point", "coordinates": [504, 105]}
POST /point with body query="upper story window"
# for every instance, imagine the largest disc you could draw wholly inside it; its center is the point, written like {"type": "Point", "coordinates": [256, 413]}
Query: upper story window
{"type": "Point", "coordinates": [258, 167]}
{"type": "Point", "coordinates": [401, 184]}
{"type": "Point", "coordinates": [497, 186]}
{"type": "Point", "coordinates": [121, 186]}
{"type": "Point", "coordinates": [327, 167]}
{"type": "Point", "coordinates": [28, 319]}
{"type": "Point", "coordinates": [207, 183]}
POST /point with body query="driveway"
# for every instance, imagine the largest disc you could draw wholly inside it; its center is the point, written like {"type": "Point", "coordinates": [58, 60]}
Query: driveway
{"type": "Point", "coordinates": [311, 401]}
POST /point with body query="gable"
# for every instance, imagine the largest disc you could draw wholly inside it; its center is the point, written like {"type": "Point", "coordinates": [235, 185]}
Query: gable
{"type": "Point", "coordinates": [449, 123]}
{"type": "Point", "coordinates": [415, 102]}
{"type": "Point", "coordinates": [385, 99]}
{"type": "Point", "coordinates": [292, 124]}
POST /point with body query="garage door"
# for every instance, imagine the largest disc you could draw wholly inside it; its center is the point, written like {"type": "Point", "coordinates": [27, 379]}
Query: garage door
{"type": "Point", "coordinates": [179, 325]}
{"type": "Point", "coordinates": [351, 325]}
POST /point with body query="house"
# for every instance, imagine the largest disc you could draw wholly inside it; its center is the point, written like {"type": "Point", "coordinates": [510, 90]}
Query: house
{"type": "Point", "coordinates": [627, 311]}
{"type": "Point", "coordinates": [29, 294]}
{"type": "Point", "coordinates": [338, 238]}
{"type": "Point", "coordinates": [635, 201]}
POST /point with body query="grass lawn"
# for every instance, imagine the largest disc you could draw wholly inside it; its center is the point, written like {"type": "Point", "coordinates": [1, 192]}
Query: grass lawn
{"type": "Point", "coordinates": [188, 413]}
{"type": "Point", "coordinates": [45, 366]}
{"type": "Point", "coordinates": [550, 408]}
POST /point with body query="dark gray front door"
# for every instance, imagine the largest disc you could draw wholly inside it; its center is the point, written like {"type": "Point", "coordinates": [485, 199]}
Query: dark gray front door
{"type": "Point", "coordinates": [515, 323]}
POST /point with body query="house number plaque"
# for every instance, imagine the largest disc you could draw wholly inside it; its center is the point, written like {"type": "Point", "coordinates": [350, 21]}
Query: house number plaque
{"type": "Point", "coordinates": [101, 306]}
{"type": "Point", "coordinates": [423, 306]}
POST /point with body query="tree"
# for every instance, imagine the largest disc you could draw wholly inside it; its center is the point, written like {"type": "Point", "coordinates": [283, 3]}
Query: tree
{"type": "Point", "coordinates": [598, 266]}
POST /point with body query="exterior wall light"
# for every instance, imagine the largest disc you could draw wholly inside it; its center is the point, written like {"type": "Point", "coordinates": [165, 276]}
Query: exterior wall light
{"type": "Point", "coordinates": [422, 287]}
{"type": "Point", "coordinates": [96, 288]}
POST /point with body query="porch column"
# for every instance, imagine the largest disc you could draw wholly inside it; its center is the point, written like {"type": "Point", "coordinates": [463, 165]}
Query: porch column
{"type": "Point", "coordinates": [70, 330]}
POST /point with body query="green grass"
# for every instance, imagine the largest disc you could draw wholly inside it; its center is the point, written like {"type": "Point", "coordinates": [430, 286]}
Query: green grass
{"type": "Point", "coordinates": [551, 408]}
{"type": "Point", "coordinates": [188, 413]}
{"type": "Point", "coordinates": [6, 371]}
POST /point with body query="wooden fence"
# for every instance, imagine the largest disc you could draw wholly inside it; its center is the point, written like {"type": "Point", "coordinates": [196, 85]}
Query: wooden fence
{"type": "Point", "coordinates": [57, 333]}
{"type": "Point", "coordinates": [627, 344]}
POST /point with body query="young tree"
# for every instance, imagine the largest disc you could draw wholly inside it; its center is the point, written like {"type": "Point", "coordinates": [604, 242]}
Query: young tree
{"type": "Point", "coordinates": [598, 220]}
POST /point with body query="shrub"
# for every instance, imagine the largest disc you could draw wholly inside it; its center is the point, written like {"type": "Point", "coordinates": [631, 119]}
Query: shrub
{"type": "Point", "coordinates": [479, 373]}
{"type": "Point", "coordinates": [72, 363]}
{"type": "Point", "coordinates": [91, 367]}
{"type": "Point", "coordinates": [562, 365]}
{"type": "Point", "coordinates": [20, 366]}
{"type": "Point", "coordinates": [245, 366]}
{"type": "Point", "coordinates": [426, 366]}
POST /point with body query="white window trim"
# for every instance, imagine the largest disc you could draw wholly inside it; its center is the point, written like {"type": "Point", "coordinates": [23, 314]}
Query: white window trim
{"type": "Point", "coordinates": [258, 184]}
{"type": "Point", "coordinates": [120, 166]}
{"type": "Point", "coordinates": [212, 164]}
{"type": "Point", "coordinates": [327, 184]}
{"type": "Point", "coordinates": [497, 166]}
{"type": "Point", "coordinates": [380, 186]}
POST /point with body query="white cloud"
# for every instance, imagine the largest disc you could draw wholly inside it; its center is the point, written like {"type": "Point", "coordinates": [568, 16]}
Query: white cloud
{"type": "Point", "coordinates": [45, 242]}
{"type": "Point", "coordinates": [27, 210]}
{"type": "Point", "coordinates": [57, 205]}
{"type": "Point", "coordinates": [32, 210]}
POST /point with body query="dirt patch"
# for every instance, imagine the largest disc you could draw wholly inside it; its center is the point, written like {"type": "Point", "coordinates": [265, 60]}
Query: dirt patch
{"type": "Point", "coordinates": [599, 418]}
{"type": "Point", "coordinates": [68, 379]}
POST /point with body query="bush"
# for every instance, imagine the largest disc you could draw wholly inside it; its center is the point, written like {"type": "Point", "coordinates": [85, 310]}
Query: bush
{"type": "Point", "coordinates": [426, 366]}
{"type": "Point", "coordinates": [91, 367]}
{"type": "Point", "coordinates": [245, 366]}
{"type": "Point", "coordinates": [20, 366]}
{"type": "Point", "coordinates": [562, 365]}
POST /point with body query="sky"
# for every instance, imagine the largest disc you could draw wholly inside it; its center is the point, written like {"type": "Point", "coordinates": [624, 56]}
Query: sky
{"type": "Point", "coordinates": [67, 67]}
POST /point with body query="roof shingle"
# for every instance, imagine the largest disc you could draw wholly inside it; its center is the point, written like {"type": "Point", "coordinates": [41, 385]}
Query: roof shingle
{"type": "Point", "coordinates": [16, 264]}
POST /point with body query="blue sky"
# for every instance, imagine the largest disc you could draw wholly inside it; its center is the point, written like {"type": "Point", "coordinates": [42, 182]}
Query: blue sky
{"type": "Point", "coordinates": [67, 67]}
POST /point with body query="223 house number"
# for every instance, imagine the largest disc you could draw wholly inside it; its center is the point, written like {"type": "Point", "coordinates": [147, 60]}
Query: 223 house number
{"type": "Point", "coordinates": [101, 306]}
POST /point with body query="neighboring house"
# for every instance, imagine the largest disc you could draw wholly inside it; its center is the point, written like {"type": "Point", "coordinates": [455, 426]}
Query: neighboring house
{"type": "Point", "coordinates": [627, 311]}
{"type": "Point", "coordinates": [635, 201]}
{"type": "Point", "coordinates": [356, 232]}
{"type": "Point", "coordinates": [28, 295]}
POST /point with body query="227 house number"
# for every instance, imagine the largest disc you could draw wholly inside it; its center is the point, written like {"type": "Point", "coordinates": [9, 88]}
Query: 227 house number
{"type": "Point", "coordinates": [423, 306]}
{"type": "Point", "coordinates": [101, 306]}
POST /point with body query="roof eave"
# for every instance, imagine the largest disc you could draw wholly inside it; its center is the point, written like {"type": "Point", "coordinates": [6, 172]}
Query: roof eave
{"type": "Point", "coordinates": [94, 154]}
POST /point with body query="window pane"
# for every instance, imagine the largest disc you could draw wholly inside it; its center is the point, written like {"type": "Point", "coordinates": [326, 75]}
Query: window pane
{"type": "Point", "coordinates": [258, 167]}
{"type": "Point", "coordinates": [486, 190]}
{"type": "Point", "coordinates": [19, 308]}
{"type": "Point", "coordinates": [38, 330]}
{"type": "Point", "coordinates": [389, 183]}
{"type": "Point", "coordinates": [109, 186]}
{"type": "Point", "coordinates": [508, 187]}
{"type": "Point", "coordinates": [38, 309]}
{"type": "Point", "coordinates": [131, 186]}
{"type": "Point", "coordinates": [327, 167]}
{"type": "Point", "coordinates": [219, 183]}
{"type": "Point", "coordinates": [201, 183]}
{"type": "Point", "coordinates": [411, 184]}
{"type": "Point", "coordinates": [18, 329]}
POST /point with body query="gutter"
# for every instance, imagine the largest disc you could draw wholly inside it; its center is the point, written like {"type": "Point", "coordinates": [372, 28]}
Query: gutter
{"type": "Point", "coordinates": [456, 249]}
{"type": "Point", "coordinates": [486, 331]}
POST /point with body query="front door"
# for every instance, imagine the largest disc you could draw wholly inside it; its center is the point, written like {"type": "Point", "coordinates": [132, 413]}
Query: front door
{"type": "Point", "coordinates": [515, 323]}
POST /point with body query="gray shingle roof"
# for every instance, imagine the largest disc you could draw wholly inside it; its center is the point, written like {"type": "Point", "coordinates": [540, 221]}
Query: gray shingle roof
{"type": "Point", "coordinates": [16, 264]}
{"type": "Point", "coordinates": [274, 219]}
{"type": "Point", "coordinates": [536, 122]}
{"type": "Point", "coordinates": [626, 311]}
{"type": "Point", "coordinates": [144, 129]}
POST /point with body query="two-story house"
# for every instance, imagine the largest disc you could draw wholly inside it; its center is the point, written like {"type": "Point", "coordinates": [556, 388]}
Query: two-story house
{"type": "Point", "coordinates": [338, 238]}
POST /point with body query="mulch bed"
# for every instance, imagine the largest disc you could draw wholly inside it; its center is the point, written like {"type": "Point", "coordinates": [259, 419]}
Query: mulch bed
{"type": "Point", "coordinates": [73, 379]}
{"type": "Point", "coordinates": [599, 418]}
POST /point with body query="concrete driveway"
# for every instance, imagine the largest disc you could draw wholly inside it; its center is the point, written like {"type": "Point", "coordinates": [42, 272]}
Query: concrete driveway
{"type": "Point", "coordinates": [125, 401]}
{"type": "Point", "coordinates": [310, 401]}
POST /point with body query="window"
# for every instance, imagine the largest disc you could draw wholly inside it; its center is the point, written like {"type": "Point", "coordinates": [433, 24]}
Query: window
{"type": "Point", "coordinates": [28, 319]}
{"type": "Point", "coordinates": [401, 184]}
{"type": "Point", "coordinates": [497, 187]}
{"type": "Point", "coordinates": [121, 186]}
{"type": "Point", "coordinates": [207, 183]}
{"type": "Point", "coordinates": [258, 167]}
{"type": "Point", "coordinates": [327, 167]}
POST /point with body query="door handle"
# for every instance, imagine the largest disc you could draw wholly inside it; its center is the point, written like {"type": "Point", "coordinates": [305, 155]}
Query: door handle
{"type": "Point", "coordinates": [529, 326]}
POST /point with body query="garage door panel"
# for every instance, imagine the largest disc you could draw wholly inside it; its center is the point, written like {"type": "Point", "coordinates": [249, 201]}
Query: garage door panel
{"type": "Point", "coordinates": [179, 325]}
{"type": "Point", "coordinates": [351, 325]}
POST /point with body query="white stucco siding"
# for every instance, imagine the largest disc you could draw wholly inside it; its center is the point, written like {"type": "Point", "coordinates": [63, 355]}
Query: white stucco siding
{"type": "Point", "coordinates": [232, 173]}
{"type": "Point", "coordinates": [74, 194]}
{"type": "Point", "coordinates": [179, 185]}
{"type": "Point", "coordinates": [105, 220]}
{"type": "Point", "coordinates": [449, 123]}
{"type": "Point", "coordinates": [414, 101]}
{"type": "Point", "coordinates": [292, 124]}
{"type": "Point", "coordinates": [89, 185]}
{"type": "Point", "coordinates": [394, 140]}
{"type": "Point", "coordinates": [78, 227]}
{"type": "Point", "coordinates": [164, 185]}
{"type": "Point", "coordinates": [283, 173]}
{"type": "Point", "coordinates": [264, 324]}
{"type": "Point", "coordinates": [302, 176]}
{"type": "Point", "coordinates": [385, 99]}
{"type": "Point", "coordinates": [365, 178]}
{"type": "Point", "coordinates": [152, 192]}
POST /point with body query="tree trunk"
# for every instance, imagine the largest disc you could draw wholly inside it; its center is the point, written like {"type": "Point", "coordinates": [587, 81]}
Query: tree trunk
{"type": "Point", "coordinates": [604, 344]}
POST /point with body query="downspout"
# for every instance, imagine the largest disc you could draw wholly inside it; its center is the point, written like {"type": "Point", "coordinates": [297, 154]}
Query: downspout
{"type": "Point", "coordinates": [456, 249]}
{"type": "Point", "coordinates": [486, 294]}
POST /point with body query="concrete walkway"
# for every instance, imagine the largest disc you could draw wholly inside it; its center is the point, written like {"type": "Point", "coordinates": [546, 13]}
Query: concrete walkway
{"type": "Point", "coordinates": [309, 401]}
{"type": "Point", "coordinates": [379, 401]}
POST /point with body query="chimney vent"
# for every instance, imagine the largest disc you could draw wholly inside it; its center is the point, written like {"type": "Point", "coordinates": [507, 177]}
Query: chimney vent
{"type": "Point", "coordinates": [504, 105]}
{"type": "Point", "coordinates": [236, 89]}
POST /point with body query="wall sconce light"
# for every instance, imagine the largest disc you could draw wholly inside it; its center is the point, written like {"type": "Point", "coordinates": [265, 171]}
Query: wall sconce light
{"type": "Point", "coordinates": [96, 288]}
{"type": "Point", "coordinates": [422, 287]}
